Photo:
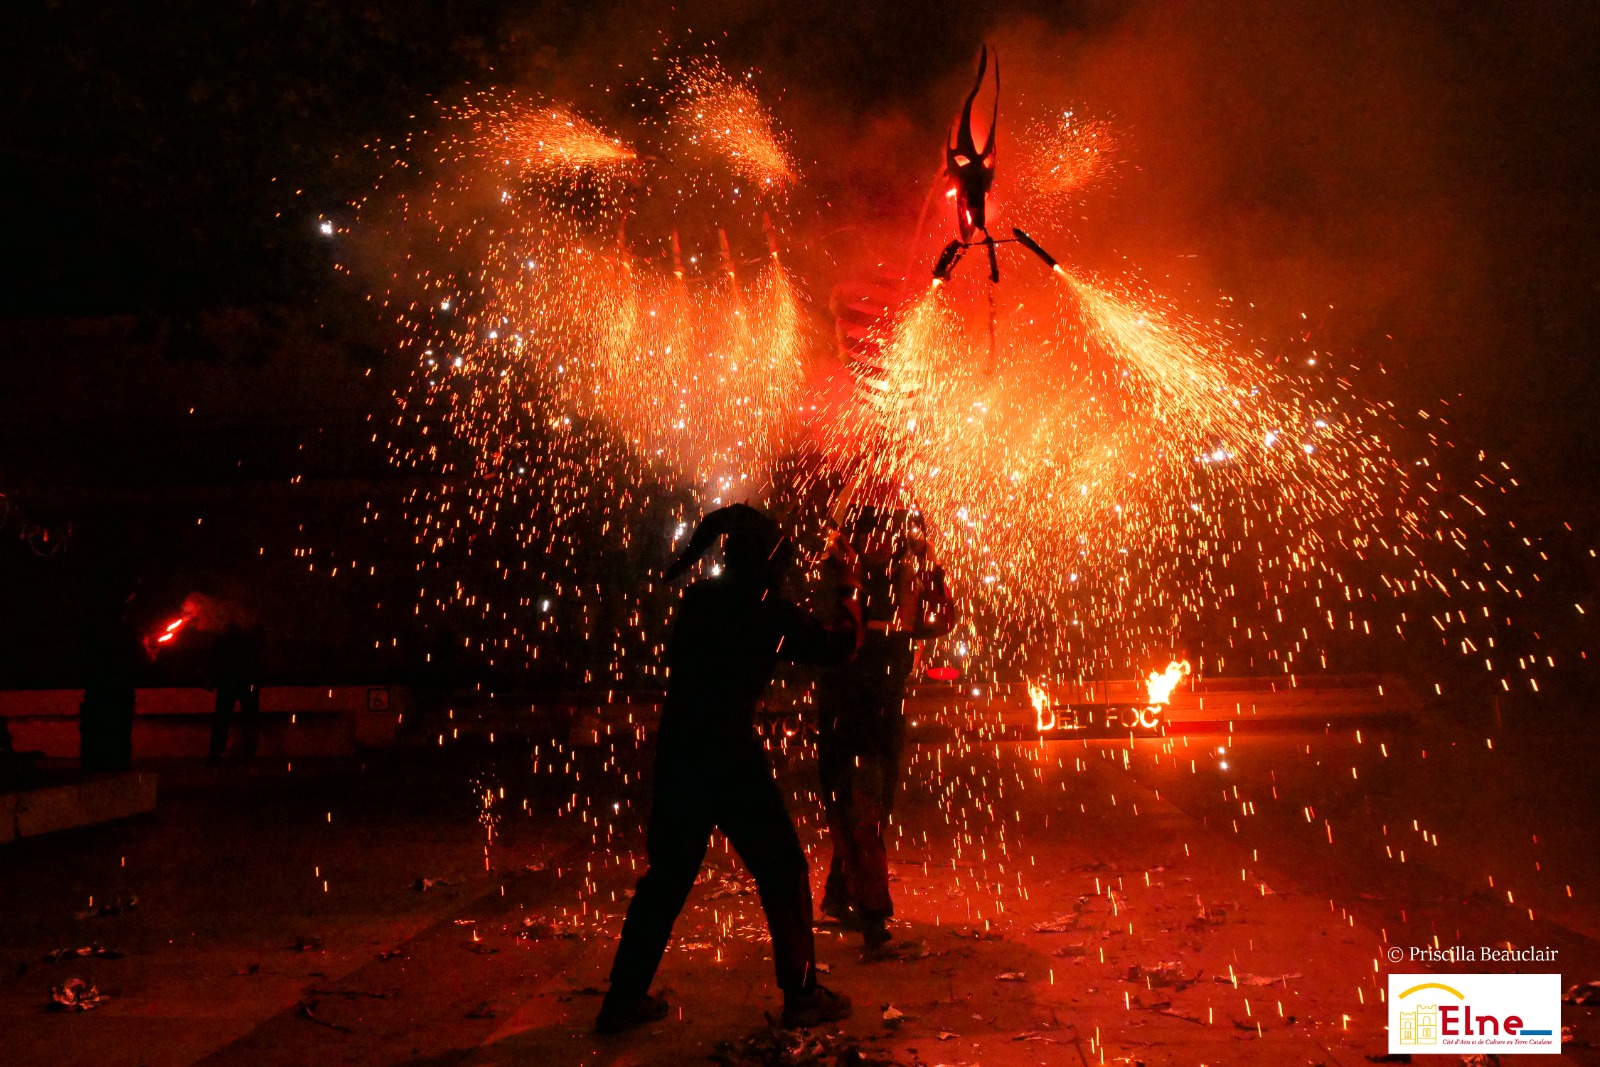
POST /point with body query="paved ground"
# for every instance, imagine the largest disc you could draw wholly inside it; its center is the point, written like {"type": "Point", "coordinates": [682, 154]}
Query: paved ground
{"type": "Point", "coordinates": [1058, 904]}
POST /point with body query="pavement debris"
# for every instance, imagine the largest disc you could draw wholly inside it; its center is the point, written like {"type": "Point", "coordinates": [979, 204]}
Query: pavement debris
{"type": "Point", "coordinates": [909, 949]}
{"type": "Point", "coordinates": [776, 1047]}
{"type": "Point", "coordinates": [1243, 978]}
{"type": "Point", "coordinates": [114, 906]}
{"type": "Point", "coordinates": [422, 885]}
{"type": "Point", "coordinates": [729, 886]}
{"type": "Point", "coordinates": [539, 928]}
{"type": "Point", "coordinates": [1582, 993]}
{"type": "Point", "coordinates": [1166, 974]}
{"type": "Point", "coordinates": [75, 994]}
{"type": "Point", "coordinates": [93, 948]}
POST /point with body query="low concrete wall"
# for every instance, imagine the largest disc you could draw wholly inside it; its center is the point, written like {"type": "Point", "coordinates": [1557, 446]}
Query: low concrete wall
{"type": "Point", "coordinates": [69, 804]}
{"type": "Point", "coordinates": [296, 721]}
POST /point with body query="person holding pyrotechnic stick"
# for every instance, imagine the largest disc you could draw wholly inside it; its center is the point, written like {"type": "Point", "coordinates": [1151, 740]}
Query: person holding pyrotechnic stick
{"type": "Point", "coordinates": [712, 771]}
{"type": "Point", "coordinates": [860, 714]}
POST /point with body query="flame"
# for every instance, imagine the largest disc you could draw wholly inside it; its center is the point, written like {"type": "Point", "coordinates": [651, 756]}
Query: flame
{"type": "Point", "coordinates": [1160, 684]}
{"type": "Point", "coordinates": [1044, 715]}
{"type": "Point", "coordinates": [171, 630]}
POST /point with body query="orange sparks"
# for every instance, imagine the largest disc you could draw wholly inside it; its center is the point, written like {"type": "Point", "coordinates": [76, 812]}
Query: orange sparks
{"type": "Point", "coordinates": [553, 141]}
{"type": "Point", "coordinates": [724, 116]}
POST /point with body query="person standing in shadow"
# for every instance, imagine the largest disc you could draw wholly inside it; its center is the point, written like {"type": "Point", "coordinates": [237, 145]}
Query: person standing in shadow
{"type": "Point", "coordinates": [234, 669]}
{"type": "Point", "coordinates": [114, 654]}
{"type": "Point", "coordinates": [712, 771]}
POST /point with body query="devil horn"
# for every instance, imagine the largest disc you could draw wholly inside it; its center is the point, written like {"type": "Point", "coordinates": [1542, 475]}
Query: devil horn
{"type": "Point", "coordinates": [994, 117]}
{"type": "Point", "coordinates": [964, 143]}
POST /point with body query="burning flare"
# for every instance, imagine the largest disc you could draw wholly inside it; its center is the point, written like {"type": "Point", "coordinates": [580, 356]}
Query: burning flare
{"type": "Point", "coordinates": [1160, 684]}
{"type": "Point", "coordinates": [1044, 715]}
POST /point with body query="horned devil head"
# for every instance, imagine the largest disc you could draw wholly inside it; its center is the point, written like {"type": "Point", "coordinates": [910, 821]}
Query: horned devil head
{"type": "Point", "coordinates": [972, 170]}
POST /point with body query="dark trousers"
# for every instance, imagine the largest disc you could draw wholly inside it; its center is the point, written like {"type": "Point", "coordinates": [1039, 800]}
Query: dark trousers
{"type": "Point", "coordinates": [105, 727]}
{"type": "Point", "coordinates": [248, 698]}
{"type": "Point", "coordinates": [860, 741]}
{"type": "Point", "coordinates": [731, 790]}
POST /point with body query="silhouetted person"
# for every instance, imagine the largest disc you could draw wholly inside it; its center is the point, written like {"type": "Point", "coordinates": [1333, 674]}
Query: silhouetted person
{"type": "Point", "coordinates": [712, 772]}
{"type": "Point", "coordinates": [113, 656]}
{"type": "Point", "coordinates": [234, 663]}
{"type": "Point", "coordinates": [861, 726]}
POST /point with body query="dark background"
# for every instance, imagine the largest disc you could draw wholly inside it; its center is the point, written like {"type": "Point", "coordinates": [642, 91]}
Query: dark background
{"type": "Point", "coordinates": [187, 388]}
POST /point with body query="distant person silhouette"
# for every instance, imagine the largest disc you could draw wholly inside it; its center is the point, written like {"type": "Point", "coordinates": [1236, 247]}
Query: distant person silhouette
{"type": "Point", "coordinates": [114, 655]}
{"type": "Point", "coordinates": [234, 666]}
{"type": "Point", "coordinates": [232, 645]}
{"type": "Point", "coordinates": [712, 772]}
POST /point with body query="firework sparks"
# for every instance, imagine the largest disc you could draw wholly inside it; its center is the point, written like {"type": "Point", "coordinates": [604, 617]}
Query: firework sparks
{"type": "Point", "coordinates": [724, 116]}
{"type": "Point", "coordinates": [551, 141]}
{"type": "Point", "coordinates": [1059, 158]}
{"type": "Point", "coordinates": [588, 351]}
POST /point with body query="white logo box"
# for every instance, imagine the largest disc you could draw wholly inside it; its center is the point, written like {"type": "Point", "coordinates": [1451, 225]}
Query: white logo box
{"type": "Point", "coordinates": [1450, 1014]}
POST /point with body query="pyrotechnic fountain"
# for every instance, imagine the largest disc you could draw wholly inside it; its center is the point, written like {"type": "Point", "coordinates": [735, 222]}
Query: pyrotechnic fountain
{"type": "Point", "coordinates": [607, 339]}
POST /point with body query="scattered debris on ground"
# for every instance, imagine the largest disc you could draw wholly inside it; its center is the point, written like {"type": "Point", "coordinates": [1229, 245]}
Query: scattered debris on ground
{"type": "Point", "coordinates": [75, 994]}
{"type": "Point", "coordinates": [114, 906]}
{"type": "Point", "coordinates": [540, 928]}
{"type": "Point", "coordinates": [422, 885]}
{"type": "Point", "coordinates": [774, 1047]}
{"type": "Point", "coordinates": [1244, 978]}
{"type": "Point", "coordinates": [1582, 993]}
{"type": "Point", "coordinates": [93, 948]}
{"type": "Point", "coordinates": [1168, 974]}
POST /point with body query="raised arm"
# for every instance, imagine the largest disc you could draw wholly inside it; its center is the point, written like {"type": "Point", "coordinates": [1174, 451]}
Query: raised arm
{"type": "Point", "coordinates": [809, 639]}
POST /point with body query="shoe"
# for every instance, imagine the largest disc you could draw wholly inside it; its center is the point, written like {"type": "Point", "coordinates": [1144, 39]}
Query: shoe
{"type": "Point", "coordinates": [618, 1018]}
{"type": "Point", "coordinates": [875, 934]}
{"type": "Point", "coordinates": [842, 914]}
{"type": "Point", "coordinates": [816, 1006]}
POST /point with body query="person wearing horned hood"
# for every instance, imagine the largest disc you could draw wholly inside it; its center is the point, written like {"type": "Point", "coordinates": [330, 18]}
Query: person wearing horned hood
{"type": "Point", "coordinates": [712, 772]}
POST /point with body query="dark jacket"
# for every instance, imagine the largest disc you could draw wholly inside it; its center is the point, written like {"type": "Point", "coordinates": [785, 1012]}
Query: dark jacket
{"type": "Point", "coordinates": [725, 645]}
